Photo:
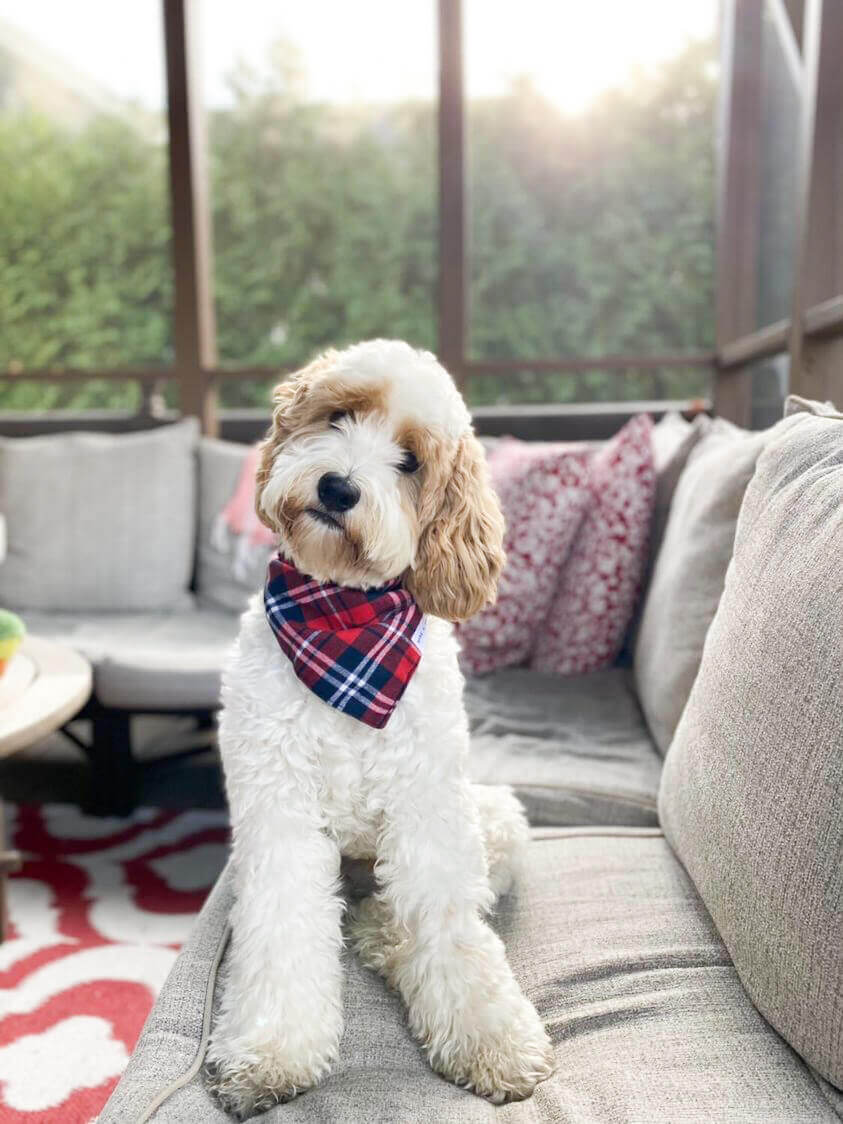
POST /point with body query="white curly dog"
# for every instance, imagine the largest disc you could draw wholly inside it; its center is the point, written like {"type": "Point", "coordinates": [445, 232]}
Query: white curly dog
{"type": "Point", "coordinates": [308, 784]}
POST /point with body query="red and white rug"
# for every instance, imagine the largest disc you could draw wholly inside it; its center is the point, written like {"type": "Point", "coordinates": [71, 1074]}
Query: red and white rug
{"type": "Point", "coordinates": [98, 913]}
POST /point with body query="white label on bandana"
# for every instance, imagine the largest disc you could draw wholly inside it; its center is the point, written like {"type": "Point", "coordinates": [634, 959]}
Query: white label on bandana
{"type": "Point", "coordinates": [418, 636]}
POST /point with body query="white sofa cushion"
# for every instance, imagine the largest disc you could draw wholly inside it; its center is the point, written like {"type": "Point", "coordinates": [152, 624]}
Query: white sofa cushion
{"type": "Point", "coordinates": [99, 522]}
{"type": "Point", "coordinates": [148, 661]}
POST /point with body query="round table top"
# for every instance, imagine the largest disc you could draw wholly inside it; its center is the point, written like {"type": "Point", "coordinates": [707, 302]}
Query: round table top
{"type": "Point", "coordinates": [43, 686]}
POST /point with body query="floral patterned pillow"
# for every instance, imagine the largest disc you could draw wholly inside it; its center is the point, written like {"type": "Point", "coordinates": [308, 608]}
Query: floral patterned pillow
{"type": "Point", "coordinates": [601, 579]}
{"type": "Point", "coordinates": [544, 492]}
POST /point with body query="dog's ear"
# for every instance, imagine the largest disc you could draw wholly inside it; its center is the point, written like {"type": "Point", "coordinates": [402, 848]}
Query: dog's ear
{"type": "Point", "coordinates": [290, 408]}
{"type": "Point", "coordinates": [460, 553]}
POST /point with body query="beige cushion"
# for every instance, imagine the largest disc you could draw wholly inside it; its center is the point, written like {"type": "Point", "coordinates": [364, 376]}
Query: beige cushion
{"type": "Point", "coordinates": [752, 789]}
{"type": "Point", "coordinates": [690, 570]}
{"type": "Point", "coordinates": [98, 521]}
{"type": "Point", "coordinates": [674, 439]}
{"type": "Point", "coordinates": [795, 405]}
{"type": "Point", "coordinates": [220, 465]}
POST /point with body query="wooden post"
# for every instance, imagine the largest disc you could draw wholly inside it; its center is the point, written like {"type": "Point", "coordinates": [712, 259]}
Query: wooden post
{"type": "Point", "coordinates": [195, 322]}
{"type": "Point", "coordinates": [452, 281]}
{"type": "Point", "coordinates": [738, 210]}
{"type": "Point", "coordinates": [816, 361]}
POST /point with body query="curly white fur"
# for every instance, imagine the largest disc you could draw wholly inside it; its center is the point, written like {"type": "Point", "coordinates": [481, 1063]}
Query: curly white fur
{"type": "Point", "coordinates": [307, 784]}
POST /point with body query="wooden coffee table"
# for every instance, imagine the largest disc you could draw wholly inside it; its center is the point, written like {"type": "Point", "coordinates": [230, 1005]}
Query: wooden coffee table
{"type": "Point", "coordinates": [43, 686]}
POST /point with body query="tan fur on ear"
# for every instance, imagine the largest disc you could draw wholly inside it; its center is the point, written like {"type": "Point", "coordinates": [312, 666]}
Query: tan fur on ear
{"type": "Point", "coordinates": [291, 406]}
{"type": "Point", "coordinates": [460, 554]}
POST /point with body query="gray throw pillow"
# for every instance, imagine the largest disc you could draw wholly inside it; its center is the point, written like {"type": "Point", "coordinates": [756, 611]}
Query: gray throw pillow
{"type": "Point", "coordinates": [674, 439]}
{"type": "Point", "coordinates": [752, 790]}
{"type": "Point", "coordinates": [688, 578]}
{"type": "Point", "coordinates": [99, 522]}
{"type": "Point", "coordinates": [228, 571]}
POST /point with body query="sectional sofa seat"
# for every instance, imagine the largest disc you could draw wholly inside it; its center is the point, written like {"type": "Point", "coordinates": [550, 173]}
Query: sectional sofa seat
{"type": "Point", "coordinates": [156, 661]}
{"type": "Point", "coordinates": [150, 588]}
{"type": "Point", "coordinates": [576, 750]}
{"type": "Point", "coordinates": [690, 972]}
{"type": "Point", "coordinates": [608, 938]}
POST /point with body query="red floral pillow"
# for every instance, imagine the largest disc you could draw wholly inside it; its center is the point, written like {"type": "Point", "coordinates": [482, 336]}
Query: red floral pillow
{"type": "Point", "coordinates": [600, 581]}
{"type": "Point", "coordinates": [544, 493]}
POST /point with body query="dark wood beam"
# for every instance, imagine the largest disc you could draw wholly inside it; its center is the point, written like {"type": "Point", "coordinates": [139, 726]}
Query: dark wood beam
{"type": "Point", "coordinates": [576, 363]}
{"type": "Point", "coordinates": [143, 375]}
{"type": "Point", "coordinates": [738, 199]}
{"type": "Point", "coordinates": [195, 322]}
{"type": "Point", "coordinates": [824, 318]}
{"type": "Point", "coordinates": [768, 341]}
{"type": "Point", "coordinates": [452, 208]}
{"type": "Point", "coordinates": [816, 348]}
{"type": "Point", "coordinates": [502, 367]}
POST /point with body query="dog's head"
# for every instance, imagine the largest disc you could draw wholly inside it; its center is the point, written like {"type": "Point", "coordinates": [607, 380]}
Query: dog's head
{"type": "Point", "coordinates": [371, 472]}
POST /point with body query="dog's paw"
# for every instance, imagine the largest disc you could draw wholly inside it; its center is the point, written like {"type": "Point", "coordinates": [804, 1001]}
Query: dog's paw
{"type": "Point", "coordinates": [254, 1078]}
{"type": "Point", "coordinates": [375, 936]}
{"type": "Point", "coordinates": [504, 1063]}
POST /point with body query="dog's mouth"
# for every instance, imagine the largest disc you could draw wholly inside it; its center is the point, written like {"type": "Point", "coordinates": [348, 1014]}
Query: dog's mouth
{"type": "Point", "coordinates": [324, 517]}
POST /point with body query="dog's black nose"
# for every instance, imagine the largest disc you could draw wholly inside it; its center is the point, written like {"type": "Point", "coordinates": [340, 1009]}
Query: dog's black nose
{"type": "Point", "coordinates": [337, 492]}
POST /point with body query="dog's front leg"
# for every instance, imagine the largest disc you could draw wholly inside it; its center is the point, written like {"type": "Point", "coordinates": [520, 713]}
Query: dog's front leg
{"type": "Point", "coordinates": [425, 934]}
{"type": "Point", "coordinates": [280, 1020]}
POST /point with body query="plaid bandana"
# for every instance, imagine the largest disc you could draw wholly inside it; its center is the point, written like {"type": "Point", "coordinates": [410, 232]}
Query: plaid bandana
{"type": "Point", "coordinates": [356, 649]}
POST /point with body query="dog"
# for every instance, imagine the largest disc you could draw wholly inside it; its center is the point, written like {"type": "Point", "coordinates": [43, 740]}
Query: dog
{"type": "Point", "coordinates": [373, 479]}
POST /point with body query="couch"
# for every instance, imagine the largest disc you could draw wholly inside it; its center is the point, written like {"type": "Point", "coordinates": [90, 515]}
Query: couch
{"type": "Point", "coordinates": [115, 546]}
{"type": "Point", "coordinates": [679, 922]}
{"type": "Point", "coordinates": [111, 549]}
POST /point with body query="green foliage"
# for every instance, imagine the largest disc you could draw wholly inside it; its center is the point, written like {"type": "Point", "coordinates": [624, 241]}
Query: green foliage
{"type": "Point", "coordinates": [324, 225]}
{"type": "Point", "coordinates": [593, 235]}
{"type": "Point", "coordinates": [84, 252]}
{"type": "Point", "coordinates": [588, 235]}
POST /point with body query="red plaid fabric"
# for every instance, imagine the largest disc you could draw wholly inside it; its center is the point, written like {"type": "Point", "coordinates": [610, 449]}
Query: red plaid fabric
{"type": "Point", "coordinates": [356, 649]}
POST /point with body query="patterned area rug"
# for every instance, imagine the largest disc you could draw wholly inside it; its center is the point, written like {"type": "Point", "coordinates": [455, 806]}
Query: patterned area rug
{"type": "Point", "coordinates": [98, 913]}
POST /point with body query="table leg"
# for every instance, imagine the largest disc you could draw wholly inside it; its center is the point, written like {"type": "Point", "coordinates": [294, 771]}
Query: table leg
{"type": "Point", "coordinates": [9, 861]}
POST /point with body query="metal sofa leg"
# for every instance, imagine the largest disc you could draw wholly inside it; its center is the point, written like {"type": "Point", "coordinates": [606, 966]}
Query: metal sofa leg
{"type": "Point", "coordinates": [115, 774]}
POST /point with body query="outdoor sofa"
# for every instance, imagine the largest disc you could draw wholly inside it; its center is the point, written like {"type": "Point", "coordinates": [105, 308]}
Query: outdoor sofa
{"type": "Point", "coordinates": [679, 921]}
{"type": "Point", "coordinates": [115, 546]}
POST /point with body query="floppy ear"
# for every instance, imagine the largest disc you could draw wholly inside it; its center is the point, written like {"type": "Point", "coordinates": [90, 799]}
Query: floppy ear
{"type": "Point", "coordinates": [290, 407]}
{"type": "Point", "coordinates": [460, 553]}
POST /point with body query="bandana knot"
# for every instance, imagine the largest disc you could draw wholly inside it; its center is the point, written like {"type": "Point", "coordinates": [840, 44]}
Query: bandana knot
{"type": "Point", "coordinates": [356, 649]}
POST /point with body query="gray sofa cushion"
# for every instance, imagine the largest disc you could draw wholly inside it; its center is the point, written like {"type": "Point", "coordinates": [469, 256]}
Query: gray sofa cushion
{"type": "Point", "coordinates": [689, 573]}
{"type": "Point", "coordinates": [221, 580]}
{"type": "Point", "coordinates": [98, 522]}
{"type": "Point", "coordinates": [148, 661]}
{"type": "Point", "coordinates": [752, 795]}
{"type": "Point", "coordinates": [674, 439]}
{"type": "Point", "coordinates": [607, 937]}
{"type": "Point", "coordinates": [576, 750]}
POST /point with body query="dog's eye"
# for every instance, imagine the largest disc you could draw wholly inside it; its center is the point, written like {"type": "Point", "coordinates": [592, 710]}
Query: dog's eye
{"type": "Point", "coordinates": [337, 417]}
{"type": "Point", "coordinates": [409, 463]}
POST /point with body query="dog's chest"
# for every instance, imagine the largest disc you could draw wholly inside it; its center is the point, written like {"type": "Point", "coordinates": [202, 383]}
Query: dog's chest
{"type": "Point", "coordinates": [346, 796]}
